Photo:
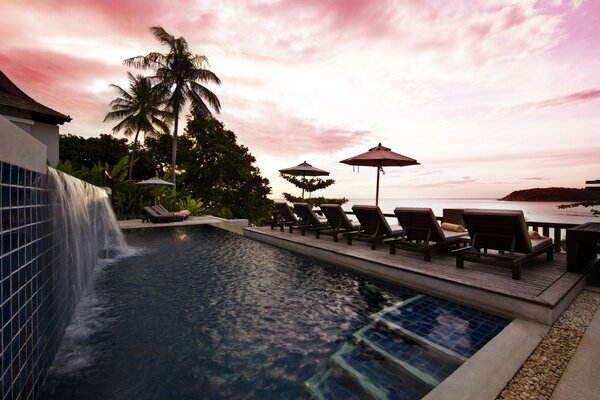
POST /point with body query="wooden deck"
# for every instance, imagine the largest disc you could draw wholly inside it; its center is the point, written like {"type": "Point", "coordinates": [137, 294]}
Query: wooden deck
{"type": "Point", "coordinates": [544, 291]}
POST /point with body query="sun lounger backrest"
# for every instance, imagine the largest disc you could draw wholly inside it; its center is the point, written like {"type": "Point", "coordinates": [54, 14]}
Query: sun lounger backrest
{"type": "Point", "coordinates": [161, 209]}
{"type": "Point", "coordinates": [336, 216]}
{"type": "Point", "coordinates": [419, 221]}
{"type": "Point", "coordinates": [371, 220]}
{"type": "Point", "coordinates": [286, 212]}
{"type": "Point", "coordinates": [152, 212]}
{"type": "Point", "coordinates": [306, 213]}
{"type": "Point", "coordinates": [453, 216]}
{"type": "Point", "coordinates": [494, 229]}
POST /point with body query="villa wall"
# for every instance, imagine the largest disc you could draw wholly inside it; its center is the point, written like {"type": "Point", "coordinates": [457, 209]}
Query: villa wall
{"type": "Point", "coordinates": [36, 301]}
{"type": "Point", "coordinates": [48, 134]}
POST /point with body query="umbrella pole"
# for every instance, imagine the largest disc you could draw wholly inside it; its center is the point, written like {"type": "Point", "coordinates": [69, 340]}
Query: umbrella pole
{"type": "Point", "coordinates": [377, 190]}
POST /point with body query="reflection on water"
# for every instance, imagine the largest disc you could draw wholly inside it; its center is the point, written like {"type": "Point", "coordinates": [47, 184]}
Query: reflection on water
{"type": "Point", "coordinates": [203, 313]}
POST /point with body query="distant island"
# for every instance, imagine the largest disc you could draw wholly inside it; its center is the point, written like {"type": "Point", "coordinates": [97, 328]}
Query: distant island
{"type": "Point", "coordinates": [553, 194]}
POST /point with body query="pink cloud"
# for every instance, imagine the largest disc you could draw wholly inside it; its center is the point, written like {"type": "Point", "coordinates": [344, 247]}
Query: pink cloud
{"type": "Point", "coordinates": [572, 98]}
{"type": "Point", "coordinates": [59, 81]}
{"type": "Point", "coordinates": [568, 156]}
{"type": "Point", "coordinates": [276, 132]}
{"type": "Point", "coordinates": [371, 17]}
{"type": "Point", "coordinates": [129, 16]}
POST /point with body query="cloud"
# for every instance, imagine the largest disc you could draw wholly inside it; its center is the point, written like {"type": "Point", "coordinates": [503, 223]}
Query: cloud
{"type": "Point", "coordinates": [569, 99]}
{"type": "Point", "coordinates": [441, 183]}
{"type": "Point", "coordinates": [554, 157]}
{"type": "Point", "coordinates": [65, 83]}
{"type": "Point", "coordinates": [292, 136]}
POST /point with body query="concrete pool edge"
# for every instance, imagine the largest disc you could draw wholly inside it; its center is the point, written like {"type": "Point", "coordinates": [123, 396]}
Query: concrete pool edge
{"type": "Point", "coordinates": [486, 374]}
{"type": "Point", "coordinates": [494, 303]}
{"type": "Point", "coordinates": [232, 225]}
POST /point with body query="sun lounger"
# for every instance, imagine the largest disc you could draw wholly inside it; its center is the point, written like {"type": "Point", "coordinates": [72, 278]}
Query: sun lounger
{"type": "Point", "coordinates": [289, 218]}
{"type": "Point", "coordinates": [453, 216]}
{"type": "Point", "coordinates": [373, 226]}
{"type": "Point", "coordinates": [308, 219]}
{"type": "Point", "coordinates": [153, 216]}
{"type": "Point", "coordinates": [338, 222]}
{"type": "Point", "coordinates": [422, 233]}
{"type": "Point", "coordinates": [505, 232]}
{"type": "Point", "coordinates": [160, 209]}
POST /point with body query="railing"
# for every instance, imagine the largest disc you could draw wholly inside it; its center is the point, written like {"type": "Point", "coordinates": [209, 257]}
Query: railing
{"type": "Point", "coordinates": [556, 230]}
{"type": "Point", "coordinates": [559, 231]}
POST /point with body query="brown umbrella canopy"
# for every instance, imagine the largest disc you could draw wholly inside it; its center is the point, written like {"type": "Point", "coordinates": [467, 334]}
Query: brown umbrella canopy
{"type": "Point", "coordinates": [304, 169]}
{"type": "Point", "coordinates": [380, 156]}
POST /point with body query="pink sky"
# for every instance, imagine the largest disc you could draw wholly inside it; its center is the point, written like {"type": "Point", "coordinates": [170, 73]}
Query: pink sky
{"type": "Point", "coordinates": [489, 96]}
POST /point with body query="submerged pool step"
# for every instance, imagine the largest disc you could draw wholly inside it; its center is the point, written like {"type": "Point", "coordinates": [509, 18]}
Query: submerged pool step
{"type": "Point", "coordinates": [409, 349]}
{"type": "Point", "coordinates": [379, 376]}
{"type": "Point", "coordinates": [427, 364]}
{"type": "Point", "coordinates": [334, 384]}
{"type": "Point", "coordinates": [455, 330]}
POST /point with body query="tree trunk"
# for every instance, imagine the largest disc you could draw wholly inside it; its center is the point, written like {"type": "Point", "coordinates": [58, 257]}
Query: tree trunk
{"type": "Point", "coordinates": [132, 154]}
{"type": "Point", "coordinates": [174, 150]}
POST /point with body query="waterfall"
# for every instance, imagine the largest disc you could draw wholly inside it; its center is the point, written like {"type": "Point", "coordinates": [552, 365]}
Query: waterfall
{"type": "Point", "coordinates": [84, 227]}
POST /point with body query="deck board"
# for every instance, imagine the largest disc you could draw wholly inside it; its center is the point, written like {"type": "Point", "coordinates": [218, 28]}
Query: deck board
{"type": "Point", "coordinates": [542, 282]}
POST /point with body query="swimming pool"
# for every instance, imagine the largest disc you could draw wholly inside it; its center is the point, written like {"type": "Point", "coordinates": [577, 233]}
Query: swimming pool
{"type": "Point", "coordinates": [199, 312]}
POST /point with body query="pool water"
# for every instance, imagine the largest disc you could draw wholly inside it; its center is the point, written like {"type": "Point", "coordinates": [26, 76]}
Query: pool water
{"type": "Point", "coordinates": [199, 313]}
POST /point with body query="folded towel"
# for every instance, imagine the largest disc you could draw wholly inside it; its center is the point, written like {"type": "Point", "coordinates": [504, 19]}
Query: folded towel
{"type": "Point", "coordinates": [447, 226]}
{"type": "Point", "coordinates": [535, 235]}
{"type": "Point", "coordinates": [183, 213]}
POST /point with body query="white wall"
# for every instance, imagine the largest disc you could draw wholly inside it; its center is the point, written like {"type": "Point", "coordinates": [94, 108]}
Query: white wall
{"type": "Point", "coordinates": [47, 134]}
{"type": "Point", "coordinates": [19, 148]}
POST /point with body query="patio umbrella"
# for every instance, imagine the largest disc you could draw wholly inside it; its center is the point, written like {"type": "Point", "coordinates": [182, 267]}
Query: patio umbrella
{"type": "Point", "coordinates": [155, 182]}
{"type": "Point", "coordinates": [380, 157]}
{"type": "Point", "coordinates": [304, 169]}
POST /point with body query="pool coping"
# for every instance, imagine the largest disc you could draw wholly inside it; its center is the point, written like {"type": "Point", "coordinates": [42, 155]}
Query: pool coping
{"type": "Point", "coordinates": [487, 372]}
{"type": "Point", "coordinates": [233, 225]}
{"type": "Point", "coordinates": [504, 305]}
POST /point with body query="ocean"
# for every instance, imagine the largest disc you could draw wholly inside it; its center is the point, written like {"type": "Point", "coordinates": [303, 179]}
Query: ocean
{"type": "Point", "coordinates": [534, 210]}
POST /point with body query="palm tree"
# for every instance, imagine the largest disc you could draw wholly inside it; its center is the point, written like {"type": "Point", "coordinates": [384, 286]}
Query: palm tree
{"type": "Point", "coordinates": [182, 73]}
{"type": "Point", "coordinates": [140, 110]}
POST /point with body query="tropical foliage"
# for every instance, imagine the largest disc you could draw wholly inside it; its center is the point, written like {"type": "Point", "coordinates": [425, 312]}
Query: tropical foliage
{"type": "Point", "coordinates": [586, 204]}
{"type": "Point", "coordinates": [314, 201]}
{"type": "Point", "coordinates": [182, 74]}
{"type": "Point", "coordinates": [87, 152]}
{"type": "Point", "coordinates": [217, 174]}
{"type": "Point", "coordinates": [310, 185]}
{"type": "Point", "coordinates": [221, 172]}
{"type": "Point", "coordinates": [139, 110]}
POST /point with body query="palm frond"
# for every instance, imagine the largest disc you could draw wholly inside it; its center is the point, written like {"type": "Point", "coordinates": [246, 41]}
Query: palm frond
{"type": "Point", "coordinates": [162, 36]}
{"type": "Point", "coordinates": [202, 94]}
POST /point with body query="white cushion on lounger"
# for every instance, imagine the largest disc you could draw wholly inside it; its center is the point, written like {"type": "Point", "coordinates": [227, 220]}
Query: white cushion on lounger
{"type": "Point", "coordinates": [537, 243]}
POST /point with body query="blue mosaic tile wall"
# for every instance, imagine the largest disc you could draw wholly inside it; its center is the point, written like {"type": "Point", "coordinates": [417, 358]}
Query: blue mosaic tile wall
{"type": "Point", "coordinates": [36, 303]}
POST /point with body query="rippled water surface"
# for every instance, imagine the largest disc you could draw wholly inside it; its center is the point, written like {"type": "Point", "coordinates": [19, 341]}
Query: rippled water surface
{"type": "Point", "coordinates": [201, 313]}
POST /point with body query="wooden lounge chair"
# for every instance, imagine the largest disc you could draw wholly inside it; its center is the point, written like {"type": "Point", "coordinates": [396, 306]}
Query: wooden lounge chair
{"type": "Point", "coordinates": [289, 218]}
{"type": "Point", "coordinates": [422, 233]}
{"type": "Point", "coordinates": [153, 216]}
{"type": "Point", "coordinates": [373, 226]}
{"type": "Point", "coordinates": [308, 219]}
{"type": "Point", "coordinates": [504, 231]}
{"type": "Point", "coordinates": [453, 216]}
{"type": "Point", "coordinates": [338, 222]}
{"type": "Point", "coordinates": [160, 209]}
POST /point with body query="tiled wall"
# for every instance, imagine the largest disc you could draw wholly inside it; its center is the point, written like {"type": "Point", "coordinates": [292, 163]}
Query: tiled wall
{"type": "Point", "coordinates": [35, 304]}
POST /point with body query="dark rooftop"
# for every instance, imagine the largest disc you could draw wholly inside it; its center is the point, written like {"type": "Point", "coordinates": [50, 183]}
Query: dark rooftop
{"type": "Point", "coordinates": [12, 96]}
